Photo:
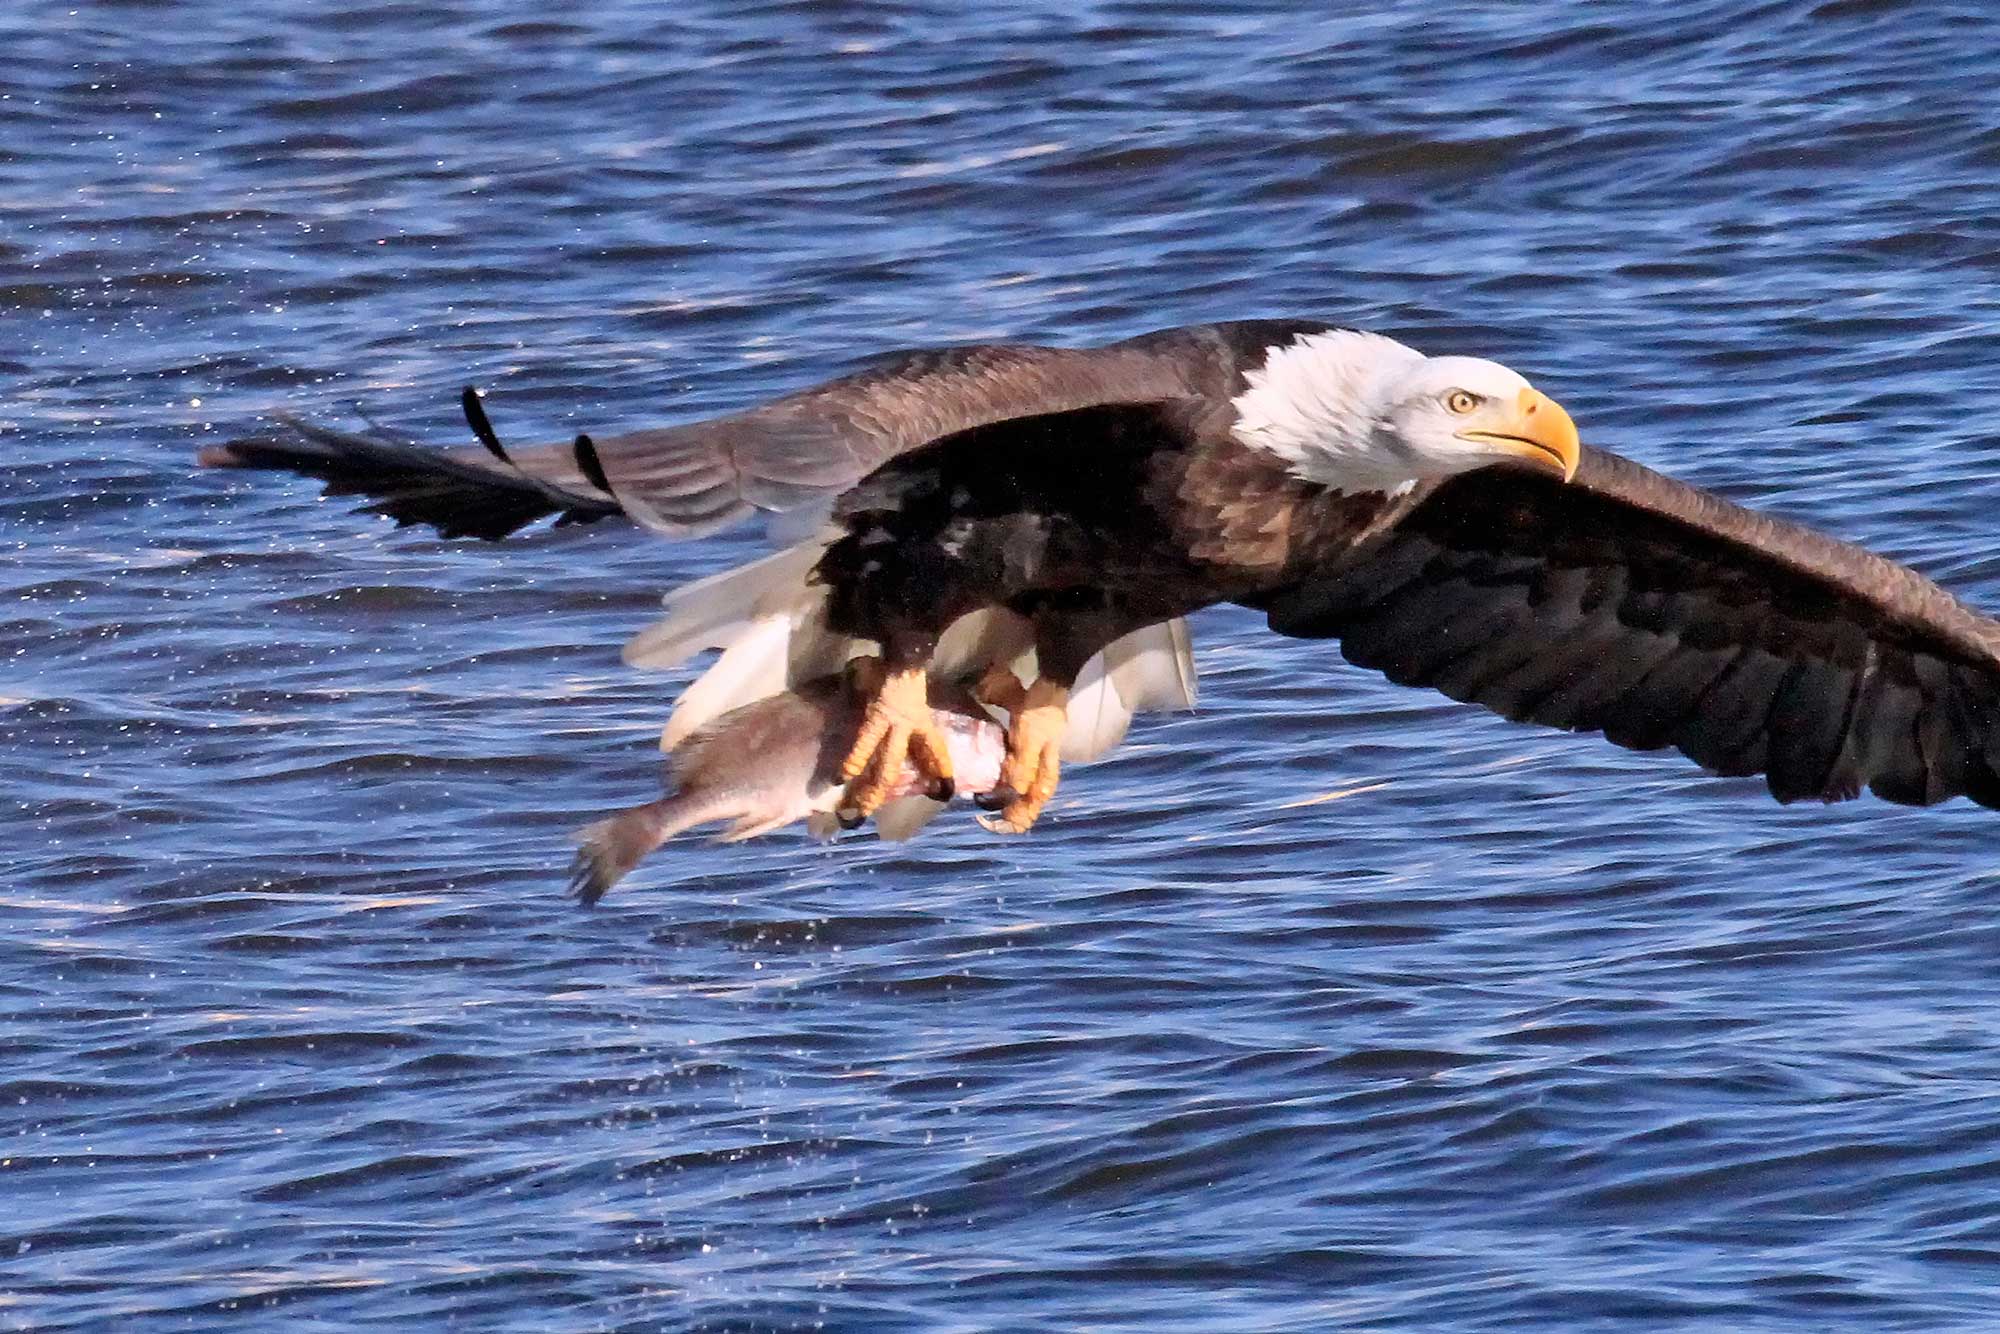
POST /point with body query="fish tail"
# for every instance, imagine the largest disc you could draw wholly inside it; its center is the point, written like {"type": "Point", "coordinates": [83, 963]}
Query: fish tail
{"type": "Point", "coordinates": [608, 848]}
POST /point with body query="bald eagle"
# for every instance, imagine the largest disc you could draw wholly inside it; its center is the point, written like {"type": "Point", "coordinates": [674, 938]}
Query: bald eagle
{"type": "Point", "coordinates": [1037, 520]}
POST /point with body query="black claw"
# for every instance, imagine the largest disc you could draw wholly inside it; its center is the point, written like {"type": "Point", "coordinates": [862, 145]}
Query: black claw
{"type": "Point", "coordinates": [941, 789]}
{"type": "Point", "coordinates": [998, 799]}
{"type": "Point", "coordinates": [850, 819]}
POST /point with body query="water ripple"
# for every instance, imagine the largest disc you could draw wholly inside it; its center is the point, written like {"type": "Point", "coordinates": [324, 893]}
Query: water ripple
{"type": "Point", "coordinates": [1330, 1006]}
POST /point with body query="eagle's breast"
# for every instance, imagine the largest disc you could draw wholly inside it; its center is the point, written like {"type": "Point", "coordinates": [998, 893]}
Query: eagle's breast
{"type": "Point", "coordinates": [1241, 511]}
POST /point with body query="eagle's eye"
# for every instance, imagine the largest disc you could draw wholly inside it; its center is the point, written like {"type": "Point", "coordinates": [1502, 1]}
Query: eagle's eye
{"type": "Point", "coordinates": [1461, 401]}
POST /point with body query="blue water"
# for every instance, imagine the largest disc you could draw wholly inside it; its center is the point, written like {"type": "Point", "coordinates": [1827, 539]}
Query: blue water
{"type": "Point", "coordinates": [1504, 1029]}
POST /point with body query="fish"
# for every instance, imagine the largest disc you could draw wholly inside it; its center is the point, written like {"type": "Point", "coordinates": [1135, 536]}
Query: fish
{"type": "Point", "coordinates": [773, 763]}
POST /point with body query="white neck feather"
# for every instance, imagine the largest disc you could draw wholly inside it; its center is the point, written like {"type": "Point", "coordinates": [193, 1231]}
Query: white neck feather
{"type": "Point", "coordinates": [1312, 403]}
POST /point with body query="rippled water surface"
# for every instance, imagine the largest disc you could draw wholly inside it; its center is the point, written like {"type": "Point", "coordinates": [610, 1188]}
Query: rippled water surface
{"type": "Point", "coordinates": [1330, 1006]}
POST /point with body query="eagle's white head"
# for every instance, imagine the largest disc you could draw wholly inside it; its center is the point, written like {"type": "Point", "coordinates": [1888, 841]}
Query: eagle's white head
{"type": "Point", "coordinates": [1359, 412]}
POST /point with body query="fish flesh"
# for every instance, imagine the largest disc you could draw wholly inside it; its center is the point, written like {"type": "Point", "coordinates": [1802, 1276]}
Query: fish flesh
{"type": "Point", "coordinates": [774, 762]}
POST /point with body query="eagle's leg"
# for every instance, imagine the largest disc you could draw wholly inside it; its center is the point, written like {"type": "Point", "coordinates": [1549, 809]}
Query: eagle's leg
{"type": "Point", "coordinates": [1070, 630]}
{"type": "Point", "coordinates": [1037, 717]}
{"type": "Point", "coordinates": [897, 726]}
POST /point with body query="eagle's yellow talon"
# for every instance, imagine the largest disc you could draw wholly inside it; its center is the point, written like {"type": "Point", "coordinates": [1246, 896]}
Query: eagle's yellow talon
{"type": "Point", "coordinates": [1033, 765]}
{"type": "Point", "coordinates": [898, 727]}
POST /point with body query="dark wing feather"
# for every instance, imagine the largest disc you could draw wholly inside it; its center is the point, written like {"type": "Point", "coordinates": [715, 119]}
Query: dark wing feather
{"type": "Point", "coordinates": [791, 452]}
{"type": "Point", "coordinates": [461, 493]}
{"type": "Point", "coordinates": [1628, 603]}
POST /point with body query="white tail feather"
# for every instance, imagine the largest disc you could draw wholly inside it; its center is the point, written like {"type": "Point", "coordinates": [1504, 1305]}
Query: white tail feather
{"type": "Point", "coordinates": [750, 669]}
{"type": "Point", "coordinates": [1147, 671]}
{"type": "Point", "coordinates": [714, 612]}
{"type": "Point", "coordinates": [1097, 718]}
{"type": "Point", "coordinates": [768, 620]}
{"type": "Point", "coordinates": [1154, 668]}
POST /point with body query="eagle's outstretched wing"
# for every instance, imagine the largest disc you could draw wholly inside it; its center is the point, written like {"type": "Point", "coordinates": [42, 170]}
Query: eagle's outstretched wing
{"type": "Point", "coordinates": [1628, 603]}
{"type": "Point", "coordinates": [692, 479]}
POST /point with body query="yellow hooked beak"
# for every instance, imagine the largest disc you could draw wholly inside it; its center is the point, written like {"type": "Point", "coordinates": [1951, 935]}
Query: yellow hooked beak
{"type": "Point", "coordinates": [1535, 432]}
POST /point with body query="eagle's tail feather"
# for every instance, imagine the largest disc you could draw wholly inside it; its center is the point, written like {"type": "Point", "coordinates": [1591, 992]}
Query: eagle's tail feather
{"type": "Point", "coordinates": [1147, 671]}
{"type": "Point", "coordinates": [769, 621]}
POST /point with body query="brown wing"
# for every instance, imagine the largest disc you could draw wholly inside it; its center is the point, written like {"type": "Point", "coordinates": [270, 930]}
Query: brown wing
{"type": "Point", "coordinates": [685, 480]}
{"type": "Point", "coordinates": [1628, 603]}
{"type": "Point", "coordinates": [695, 478]}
